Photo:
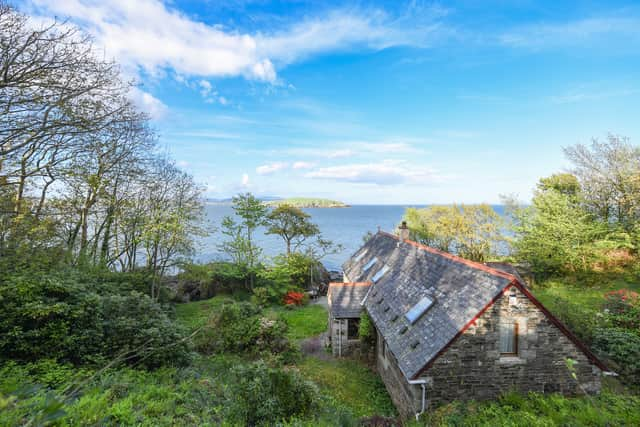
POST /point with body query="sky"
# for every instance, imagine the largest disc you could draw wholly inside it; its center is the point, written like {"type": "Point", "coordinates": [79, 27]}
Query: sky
{"type": "Point", "coordinates": [372, 102]}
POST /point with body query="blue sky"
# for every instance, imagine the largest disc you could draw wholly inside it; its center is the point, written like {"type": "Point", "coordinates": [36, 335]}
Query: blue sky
{"type": "Point", "coordinates": [372, 102]}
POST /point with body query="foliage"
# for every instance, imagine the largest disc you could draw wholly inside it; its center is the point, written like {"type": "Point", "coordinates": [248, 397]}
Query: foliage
{"type": "Point", "coordinates": [471, 231]}
{"type": "Point", "coordinates": [367, 332]}
{"type": "Point", "coordinates": [556, 235]}
{"type": "Point", "coordinates": [56, 316]}
{"type": "Point", "coordinates": [608, 174]}
{"type": "Point", "coordinates": [202, 281]}
{"type": "Point", "coordinates": [536, 409]}
{"type": "Point", "coordinates": [241, 328]}
{"type": "Point", "coordinates": [295, 298]}
{"type": "Point", "coordinates": [292, 225]}
{"type": "Point", "coordinates": [624, 307]}
{"type": "Point", "coordinates": [261, 395]}
{"type": "Point", "coordinates": [621, 346]}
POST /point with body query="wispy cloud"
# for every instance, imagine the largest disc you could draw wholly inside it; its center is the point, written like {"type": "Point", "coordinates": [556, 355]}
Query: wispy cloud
{"type": "Point", "coordinates": [571, 33]}
{"type": "Point", "coordinates": [303, 165]}
{"type": "Point", "coordinates": [270, 168]}
{"type": "Point", "coordinates": [151, 36]}
{"type": "Point", "coordinates": [387, 172]}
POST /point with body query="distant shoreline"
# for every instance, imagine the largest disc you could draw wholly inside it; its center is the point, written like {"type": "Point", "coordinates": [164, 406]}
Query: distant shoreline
{"type": "Point", "coordinates": [303, 202]}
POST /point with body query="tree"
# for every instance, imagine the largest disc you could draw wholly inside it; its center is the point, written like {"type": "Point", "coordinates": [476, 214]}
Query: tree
{"type": "Point", "coordinates": [292, 225]}
{"type": "Point", "coordinates": [251, 213]}
{"type": "Point", "coordinates": [471, 231]}
{"type": "Point", "coordinates": [609, 174]}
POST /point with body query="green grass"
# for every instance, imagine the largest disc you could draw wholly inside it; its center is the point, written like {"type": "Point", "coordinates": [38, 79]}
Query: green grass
{"type": "Point", "coordinates": [304, 322]}
{"type": "Point", "coordinates": [535, 409]}
{"type": "Point", "coordinates": [350, 384]}
{"type": "Point", "coordinates": [195, 314]}
{"type": "Point", "coordinates": [591, 298]}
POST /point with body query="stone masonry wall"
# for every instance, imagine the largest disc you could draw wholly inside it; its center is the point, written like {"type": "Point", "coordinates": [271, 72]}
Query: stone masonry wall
{"type": "Point", "coordinates": [348, 346]}
{"type": "Point", "coordinates": [407, 398]}
{"type": "Point", "coordinates": [473, 368]}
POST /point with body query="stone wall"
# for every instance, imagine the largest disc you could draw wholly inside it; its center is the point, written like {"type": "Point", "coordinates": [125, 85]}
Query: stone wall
{"type": "Point", "coordinates": [338, 331]}
{"type": "Point", "coordinates": [473, 368]}
{"type": "Point", "coordinates": [407, 398]}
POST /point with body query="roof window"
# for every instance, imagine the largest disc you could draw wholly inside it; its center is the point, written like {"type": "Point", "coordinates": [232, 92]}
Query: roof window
{"type": "Point", "coordinates": [419, 309]}
{"type": "Point", "coordinates": [360, 255]}
{"type": "Point", "coordinates": [370, 264]}
{"type": "Point", "coordinates": [380, 273]}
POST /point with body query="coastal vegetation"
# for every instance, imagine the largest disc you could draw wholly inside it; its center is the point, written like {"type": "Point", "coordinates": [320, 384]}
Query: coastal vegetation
{"type": "Point", "coordinates": [106, 320]}
{"type": "Point", "coordinates": [307, 202]}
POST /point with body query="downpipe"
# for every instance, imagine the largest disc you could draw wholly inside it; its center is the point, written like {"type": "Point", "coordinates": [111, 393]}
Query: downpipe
{"type": "Point", "coordinates": [423, 384]}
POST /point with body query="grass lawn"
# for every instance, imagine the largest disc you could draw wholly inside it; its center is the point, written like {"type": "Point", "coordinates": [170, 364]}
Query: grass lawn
{"type": "Point", "coordinates": [195, 314]}
{"type": "Point", "coordinates": [350, 384]}
{"type": "Point", "coordinates": [304, 322]}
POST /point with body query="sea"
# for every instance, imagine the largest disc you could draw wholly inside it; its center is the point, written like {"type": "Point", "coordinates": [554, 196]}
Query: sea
{"type": "Point", "coordinates": [344, 226]}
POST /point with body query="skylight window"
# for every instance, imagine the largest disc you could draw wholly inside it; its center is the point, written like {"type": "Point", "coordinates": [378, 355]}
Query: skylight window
{"type": "Point", "coordinates": [419, 309]}
{"type": "Point", "coordinates": [370, 264]}
{"type": "Point", "coordinates": [360, 255]}
{"type": "Point", "coordinates": [380, 273]}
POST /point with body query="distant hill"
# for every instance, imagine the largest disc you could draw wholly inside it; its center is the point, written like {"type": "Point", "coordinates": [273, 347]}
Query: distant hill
{"type": "Point", "coordinates": [307, 202]}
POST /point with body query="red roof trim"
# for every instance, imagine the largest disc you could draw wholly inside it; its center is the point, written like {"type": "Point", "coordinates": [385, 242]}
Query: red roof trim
{"type": "Point", "coordinates": [462, 331]}
{"type": "Point", "coordinates": [472, 264]}
{"type": "Point", "coordinates": [541, 307]}
{"type": "Point", "coordinates": [562, 327]}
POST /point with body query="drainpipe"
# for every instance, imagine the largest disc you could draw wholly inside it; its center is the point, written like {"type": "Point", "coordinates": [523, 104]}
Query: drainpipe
{"type": "Point", "coordinates": [423, 384]}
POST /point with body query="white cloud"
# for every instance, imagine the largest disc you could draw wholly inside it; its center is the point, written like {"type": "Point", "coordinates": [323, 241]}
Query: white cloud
{"type": "Point", "coordinates": [245, 180]}
{"type": "Point", "coordinates": [387, 172]}
{"type": "Point", "coordinates": [271, 168]}
{"type": "Point", "coordinates": [587, 94]}
{"type": "Point", "coordinates": [146, 102]}
{"type": "Point", "coordinates": [303, 165]}
{"type": "Point", "coordinates": [151, 36]}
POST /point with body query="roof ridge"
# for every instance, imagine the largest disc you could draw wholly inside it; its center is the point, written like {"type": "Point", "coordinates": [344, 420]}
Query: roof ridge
{"type": "Point", "coordinates": [456, 258]}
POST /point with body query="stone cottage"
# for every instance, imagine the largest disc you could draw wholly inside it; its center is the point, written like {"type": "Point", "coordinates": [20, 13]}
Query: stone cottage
{"type": "Point", "coordinates": [448, 328]}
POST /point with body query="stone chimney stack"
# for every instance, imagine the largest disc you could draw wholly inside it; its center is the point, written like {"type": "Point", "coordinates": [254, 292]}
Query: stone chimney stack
{"type": "Point", "coordinates": [404, 231]}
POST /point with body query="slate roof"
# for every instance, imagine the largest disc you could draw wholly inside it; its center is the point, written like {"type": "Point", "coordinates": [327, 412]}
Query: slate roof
{"type": "Point", "coordinates": [345, 299]}
{"type": "Point", "coordinates": [507, 268]}
{"type": "Point", "coordinates": [461, 291]}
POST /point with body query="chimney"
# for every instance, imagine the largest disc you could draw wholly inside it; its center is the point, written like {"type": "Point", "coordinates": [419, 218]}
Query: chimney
{"type": "Point", "coordinates": [404, 231]}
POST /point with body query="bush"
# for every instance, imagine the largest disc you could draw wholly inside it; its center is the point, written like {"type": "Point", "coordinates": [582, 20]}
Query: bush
{"type": "Point", "coordinates": [622, 347]}
{"type": "Point", "coordinates": [260, 395]}
{"type": "Point", "coordinates": [55, 316]}
{"type": "Point", "coordinates": [295, 298]}
{"type": "Point", "coordinates": [623, 306]}
{"type": "Point", "coordinates": [241, 328]}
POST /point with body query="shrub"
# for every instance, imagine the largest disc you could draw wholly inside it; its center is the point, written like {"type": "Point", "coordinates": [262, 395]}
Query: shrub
{"type": "Point", "coordinates": [295, 298]}
{"type": "Point", "coordinates": [241, 328]}
{"type": "Point", "coordinates": [55, 316]}
{"type": "Point", "coordinates": [624, 308]}
{"type": "Point", "coordinates": [622, 347]}
{"type": "Point", "coordinates": [260, 395]}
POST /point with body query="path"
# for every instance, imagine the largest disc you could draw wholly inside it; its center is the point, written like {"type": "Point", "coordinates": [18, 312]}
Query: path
{"type": "Point", "coordinates": [314, 346]}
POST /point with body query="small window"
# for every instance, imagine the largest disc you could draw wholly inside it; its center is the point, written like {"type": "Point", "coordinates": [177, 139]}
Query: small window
{"type": "Point", "coordinates": [370, 264]}
{"type": "Point", "coordinates": [353, 327]}
{"type": "Point", "coordinates": [418, 310]}
{"type": "Point", "coordinates": [509, 338]}
{"type": "Point", "coordinates": [380, 273]}
{"type": "Point", "coordinates": [360, 255]}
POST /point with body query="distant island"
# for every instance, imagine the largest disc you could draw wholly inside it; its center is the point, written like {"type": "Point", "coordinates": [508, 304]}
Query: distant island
{"type": "Point", "coordinates": [307, 202]}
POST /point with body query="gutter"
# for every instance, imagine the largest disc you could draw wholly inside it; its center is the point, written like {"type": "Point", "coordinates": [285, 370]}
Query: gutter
{"type": "Point", "coordinates": [423, 384]}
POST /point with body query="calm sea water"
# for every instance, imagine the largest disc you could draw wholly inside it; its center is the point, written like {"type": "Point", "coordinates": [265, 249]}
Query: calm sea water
{"type": "Point", "coordinates": [344, 226]}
